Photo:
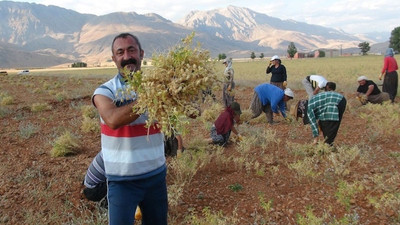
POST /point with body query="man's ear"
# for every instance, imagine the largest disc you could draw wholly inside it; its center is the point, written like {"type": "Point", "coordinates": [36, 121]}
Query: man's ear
{"type": "Point", "coordinates": [141, 54]}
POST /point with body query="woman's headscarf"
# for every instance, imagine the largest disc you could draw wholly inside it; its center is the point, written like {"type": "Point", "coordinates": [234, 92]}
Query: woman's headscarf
{"type": "Point", "coordinates": [229, 64]}
{"type": "Point", "coordinates": [389, 52]}
{"type": "Point", "coordinates": [228, 72]}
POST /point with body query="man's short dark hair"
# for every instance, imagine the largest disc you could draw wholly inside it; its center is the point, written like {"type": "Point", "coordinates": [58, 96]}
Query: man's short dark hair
{"type": "Point", "coordinates": [331, 86]}
{"type": "Point", "coordinates": [125, 35]}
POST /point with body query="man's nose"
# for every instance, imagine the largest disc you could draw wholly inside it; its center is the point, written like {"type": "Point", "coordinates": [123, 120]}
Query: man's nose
{"type": "Point", "coordinates": [126, 55]}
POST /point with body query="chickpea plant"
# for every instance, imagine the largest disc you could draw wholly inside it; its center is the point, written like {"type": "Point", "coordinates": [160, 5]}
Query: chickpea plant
{"type": "Point", "coordinates": [170, 91]}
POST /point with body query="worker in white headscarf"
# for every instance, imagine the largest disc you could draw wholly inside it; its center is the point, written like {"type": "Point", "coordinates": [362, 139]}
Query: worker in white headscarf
{"type": "Point", "coordinates": [228, 95]}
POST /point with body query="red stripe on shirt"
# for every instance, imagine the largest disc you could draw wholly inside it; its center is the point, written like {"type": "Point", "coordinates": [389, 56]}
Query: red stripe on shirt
{"type": "Point", "coordinates": [130, 130]}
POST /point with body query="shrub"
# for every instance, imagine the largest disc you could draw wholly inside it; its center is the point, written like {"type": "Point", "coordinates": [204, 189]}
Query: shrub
{"type": "Point", "coordinates": [7, 100]}
{"type": "Point", "coordinates": [26, 130]}
{"type": "Point", "coordinates": [39, 107]}
{"type": "Point", "coordinates": [183, 169]}
{"type": "Point", "coordinates": [343, 158]}
{"type": "Point", "coordinates": [384, 123]}
{"type": "Point", "coordinates": [90, 125]}
{"type": "Point", "coordinates": [89, 111]}
{"type": "Point", "coordinates": [4, 111]}
{"type": "Point", "coordinates": [65, 145]}
{"type": "Point", "coordinates": [235, 187]}
{"type": "Point", "coordinates": [305, 168]}
{"type": "Point", "coordinates": [346, 192]}
{"type": "Point", "coordinates": [211, 217]}
{"type": "Point", "coordinates": [310, 218]}
{"type": "Point", "coordinates": [60, 96]}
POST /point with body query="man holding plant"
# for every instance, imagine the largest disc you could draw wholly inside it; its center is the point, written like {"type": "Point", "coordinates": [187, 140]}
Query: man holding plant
{"type": "Point", "coordinates": [133, 154]}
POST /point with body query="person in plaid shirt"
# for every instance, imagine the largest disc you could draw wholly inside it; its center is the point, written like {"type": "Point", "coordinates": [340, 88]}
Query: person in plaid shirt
{"type": "Point", "coordinates": [328, 108]}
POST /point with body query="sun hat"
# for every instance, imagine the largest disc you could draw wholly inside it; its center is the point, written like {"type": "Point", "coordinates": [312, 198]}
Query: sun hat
{"type": "Point", "coordinates": [236, 108]}
{"type": "Point", "coordinates": [289, 92]}
{"type": "Point", "coordinates": [274, 57]}
{"type": "Point", "coordinates": [362, 78]}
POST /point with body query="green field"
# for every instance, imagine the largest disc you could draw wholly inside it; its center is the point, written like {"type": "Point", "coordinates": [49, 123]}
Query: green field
{"type": "Point", "coordinates": [342, 70]}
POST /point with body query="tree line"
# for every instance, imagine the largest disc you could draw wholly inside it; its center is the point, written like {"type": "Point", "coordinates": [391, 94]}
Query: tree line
{"type": "Point", "coordinates": [394, 42]}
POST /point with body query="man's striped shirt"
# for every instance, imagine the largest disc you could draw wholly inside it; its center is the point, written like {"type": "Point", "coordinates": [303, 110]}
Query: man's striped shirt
{"type": "Point", "coordinates": [132, 151]}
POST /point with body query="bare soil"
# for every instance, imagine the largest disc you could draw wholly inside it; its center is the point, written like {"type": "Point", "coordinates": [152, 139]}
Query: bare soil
{"type": "Point", "coordinates": [35, 186]}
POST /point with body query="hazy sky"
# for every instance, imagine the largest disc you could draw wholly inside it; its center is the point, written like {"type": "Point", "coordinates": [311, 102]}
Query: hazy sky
{"type": "Point", "coordinates": [352, 16]}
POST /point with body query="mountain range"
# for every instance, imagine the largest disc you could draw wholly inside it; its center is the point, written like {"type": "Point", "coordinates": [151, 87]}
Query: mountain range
{"type": "Point", "coordinates": [35, 35]}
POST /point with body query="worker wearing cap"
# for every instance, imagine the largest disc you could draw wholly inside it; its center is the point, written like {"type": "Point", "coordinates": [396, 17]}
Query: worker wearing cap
{"type": "Point", "coordinates": [225, 124]}
{"type": "Point", "coordinates": [270, 99]}
{"type": "Point", "coordinates": [313, 84]}
{"type": "Point", "coordinates": [328, 108]}
{"type": "Point", "coordinates": [368, 91]}
{"type": "Point", "coordinates": [278, 72]}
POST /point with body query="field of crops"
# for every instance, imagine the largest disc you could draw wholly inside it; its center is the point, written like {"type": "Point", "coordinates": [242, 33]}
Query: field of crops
{"type": "Point", "coordinates": [274, 176]}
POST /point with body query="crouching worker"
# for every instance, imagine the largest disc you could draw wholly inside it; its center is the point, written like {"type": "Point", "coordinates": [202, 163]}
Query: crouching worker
{"type": "Point", "coordinates": [95, 181]}
{"type": "Point", "coordinates": [300, 111]}
{"type": "Point", "coordinates": [225, 124]}
{"type": "Point", "coordinates": [368, 91]}
{"type": "Point", "coordinates": [96, 186]}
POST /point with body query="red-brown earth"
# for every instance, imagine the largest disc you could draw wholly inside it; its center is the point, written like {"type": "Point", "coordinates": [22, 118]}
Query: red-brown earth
{"type": "Point", "coordinates": [36, 188]}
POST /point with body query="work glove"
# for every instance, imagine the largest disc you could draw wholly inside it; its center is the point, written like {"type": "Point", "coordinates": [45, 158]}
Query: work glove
{"type": "Point", "coordinates": [284, 84]}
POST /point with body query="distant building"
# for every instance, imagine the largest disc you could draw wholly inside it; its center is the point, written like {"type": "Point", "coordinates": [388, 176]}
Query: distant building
{"type": "Point", "coordinates": [300, 55]}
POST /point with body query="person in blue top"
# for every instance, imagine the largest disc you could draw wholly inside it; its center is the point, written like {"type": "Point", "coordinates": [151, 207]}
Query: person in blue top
{"type": "Point", "coordinates": [270, 99]}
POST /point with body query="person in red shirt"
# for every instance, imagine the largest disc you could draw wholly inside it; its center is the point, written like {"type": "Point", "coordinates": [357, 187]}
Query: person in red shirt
{"type": "Point", "coordinates": [224, 125]}
{"type": "Point", "coordinates": [389, 74]}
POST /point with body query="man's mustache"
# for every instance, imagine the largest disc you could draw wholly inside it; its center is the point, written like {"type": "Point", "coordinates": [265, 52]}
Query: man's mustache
{"type": "Point", "coordinates": [129, 61]}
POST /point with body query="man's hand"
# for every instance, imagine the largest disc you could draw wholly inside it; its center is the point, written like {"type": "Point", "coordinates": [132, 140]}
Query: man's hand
{"type": "Point", "coordinates": [315, 141]}
{"type": "Point", "coordinates": [363, 99]}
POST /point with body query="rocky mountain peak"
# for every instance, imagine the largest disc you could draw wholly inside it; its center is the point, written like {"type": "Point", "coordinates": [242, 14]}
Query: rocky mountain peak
{"type": "Point", "coordinates": [53, 31]}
